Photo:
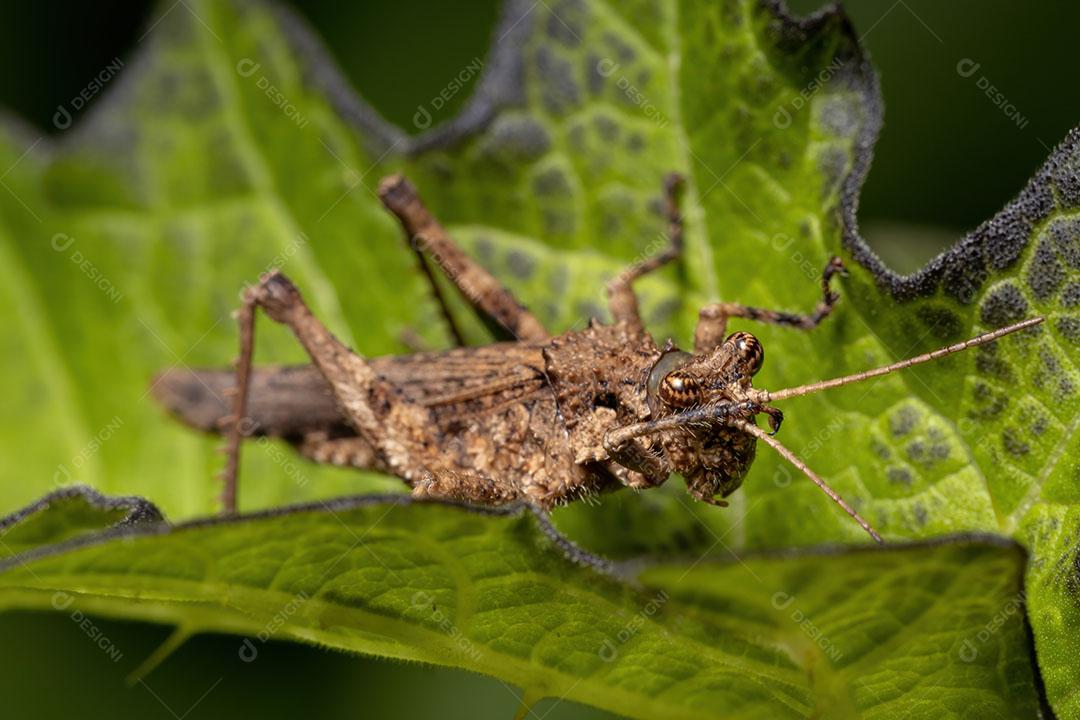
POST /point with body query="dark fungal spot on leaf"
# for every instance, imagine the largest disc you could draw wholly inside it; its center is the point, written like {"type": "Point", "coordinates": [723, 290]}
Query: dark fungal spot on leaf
{"type": "Point", "coordinates": [1049, 361]}
{"type": "Point", "coordinates": [1051, 371]}
{"type": "Point", "coordinates": [1070, 295]}
{"type": "Point", "coordinates": [552, 182]}
{"type": "Point", "coordinates": [1066, 178]}
{"type": "Point", "coordinates": [611, 222]}
{"type": "Point", "coordinates": [1000, 244]}
{"type": "Point", "coordinates": [899, 475]}
{"type": "Point", "coordinates": [1069, 327]}
{"type": "Point", "coordinates": [559, 90]}
{"type": "Point", "coordinates": [939, 445]}
{"type": "Point", "coordinates": [964, 278]}
{"type": "Point", "coordinates": [635, 143]}
{"type": "Point", "coordinates": [521, 264]}
{"type": "Point", "coordinates": [606, 128]}
{"type": "Point", "coordinates": [1045, 274]}
{"type": "Point", "coordinates": [880, 449]}
{"type": "Point", "coordinates": [557, 222]}
{"type": "Point", "coordinates": [918, 451]}
{"type": "Point", "coordinates": [1010, 440]}
{"type": "Point", "coordinates": [615, 206]}
{"type": "Point", "coordinates": [1065, 232]}
{"type": "Point", "coordinates": [515, 139]}
{"type": "Point", "coordinates": [903, 421]}
{"type": "Point", "coordinates": [623, 52]}
{"type": "Point", "coordinates": [989, 363]}
{"type": "Point", "coordinates": [989, 403]}
{"type": "Point", "coordinates": [1004, 305]}
{"type": "Point", "coordinates": [594, 74]}
{"type": "Point", "coordinates": [1039, 425]}
{"type": "Point", "coordinates": [565, 24]}
{"type": "Point", "coordinates": [941, 323]}
{"type": "Point", "coordinates": [921, 516]}
{"type": "Point", "coordinates": [485, 250]}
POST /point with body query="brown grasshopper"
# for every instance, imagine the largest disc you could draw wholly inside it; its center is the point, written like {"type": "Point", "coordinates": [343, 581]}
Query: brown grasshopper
{"type": "Point", "coordinates": [542, 419]}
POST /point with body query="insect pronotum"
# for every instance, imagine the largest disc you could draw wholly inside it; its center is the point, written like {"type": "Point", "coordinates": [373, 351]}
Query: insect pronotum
{"type": "Point", "coordinates": [540, 418]}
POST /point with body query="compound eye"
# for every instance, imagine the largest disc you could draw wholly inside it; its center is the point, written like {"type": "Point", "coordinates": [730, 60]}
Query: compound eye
{"type": "Point", "coordinates": [679, 389]}
{"type": "Point", "coordinates": [665, 366]}
{"type": "Point", "coordinates": [748, 350]}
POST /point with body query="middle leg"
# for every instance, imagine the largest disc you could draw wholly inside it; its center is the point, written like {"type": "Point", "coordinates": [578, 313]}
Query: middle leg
{"type": "Point", "coordinates": [712, 319]}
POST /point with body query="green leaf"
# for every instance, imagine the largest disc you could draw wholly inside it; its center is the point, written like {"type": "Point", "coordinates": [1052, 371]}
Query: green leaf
{"type": "Point", "coordinates": [836, 634]}
{"type": "Point", "coordinates": [231, 143]}
{"type": "Point", "coordinates": [67, 514]}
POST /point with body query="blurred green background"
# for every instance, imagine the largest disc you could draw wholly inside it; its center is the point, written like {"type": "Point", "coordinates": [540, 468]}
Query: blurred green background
{"type": "Point", "coordinates": [948, 158]}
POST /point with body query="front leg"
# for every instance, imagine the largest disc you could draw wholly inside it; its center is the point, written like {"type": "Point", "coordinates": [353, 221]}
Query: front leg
{"type": "Point", "coordinates": [621, 299]}
{"type": "Point", "coordinates": [712, 319]}
{"type": "Point", "coordinates": [647, 469]}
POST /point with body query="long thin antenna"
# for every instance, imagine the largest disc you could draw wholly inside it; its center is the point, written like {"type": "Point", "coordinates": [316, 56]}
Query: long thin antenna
{"type": "Point", "coordinates": [752, 429]}
{"type": "Point", "coordinates": [768, 396]}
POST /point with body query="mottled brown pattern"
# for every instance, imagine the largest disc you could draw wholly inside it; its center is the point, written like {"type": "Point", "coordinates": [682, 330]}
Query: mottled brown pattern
{"type": "Point", "coordinates": [544, 419]}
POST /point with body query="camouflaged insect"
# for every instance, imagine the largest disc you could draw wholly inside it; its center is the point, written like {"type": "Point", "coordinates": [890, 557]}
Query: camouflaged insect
{"type": "Point", "coordinates": [542, 419]}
